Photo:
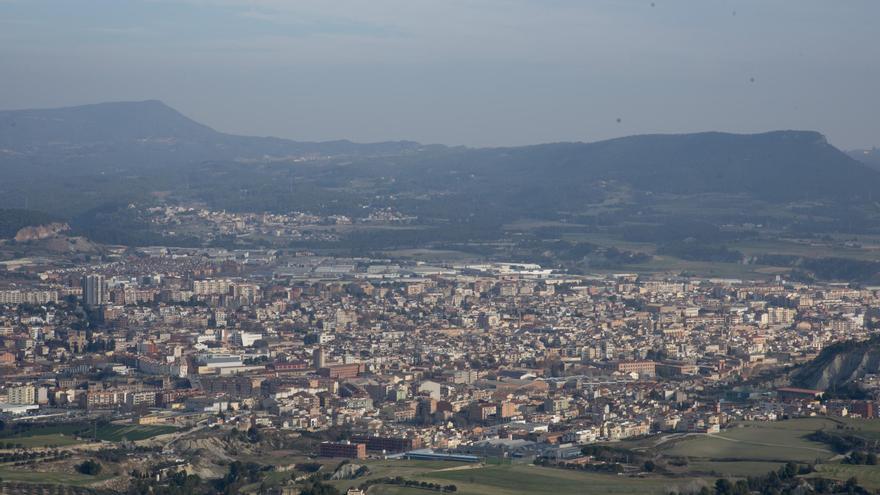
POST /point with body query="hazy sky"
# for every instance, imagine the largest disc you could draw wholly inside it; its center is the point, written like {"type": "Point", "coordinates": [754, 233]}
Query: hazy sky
{"type": "Point", "coordinates": [474, 72]}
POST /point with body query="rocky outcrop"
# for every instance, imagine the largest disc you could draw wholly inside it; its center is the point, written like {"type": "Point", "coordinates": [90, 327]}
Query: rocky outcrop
{"type": "Point", "coordinates": [38, 232]}
{"type": "Point", "coordinates": [210, 455]}
{"type": "Point", "coordinates": [839, 365]}
{"type": "Point", "coordinates": [349, 472]}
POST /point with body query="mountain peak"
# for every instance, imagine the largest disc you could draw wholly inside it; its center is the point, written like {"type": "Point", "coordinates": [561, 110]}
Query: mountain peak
{"type": "Point", "coordinates": [97, 123]}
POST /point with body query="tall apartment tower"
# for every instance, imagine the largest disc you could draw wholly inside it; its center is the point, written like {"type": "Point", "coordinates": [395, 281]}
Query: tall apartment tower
{"type": "Point", "coordinates": [318, 358]}
{"type": "Point", "coordinates": [93, 290]}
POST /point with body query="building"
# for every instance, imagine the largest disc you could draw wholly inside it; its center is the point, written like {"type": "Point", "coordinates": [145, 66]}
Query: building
{"type": "Point", "coordinates": [246, 339]}
{"type": "Point", "coordinates": [22, 394]}
{"type": "Point", "coordinates": [93, 290]}
{"type": "Point", "coordinates": [387, 444]}
{"type": "Point", "coordinates": [347, 450]}
{"type": "Point", "coordinates": [145, 398]}
{"type": "Point", "coordinates": [556, 404]}
{"type": "Point", "coordinates": [864, 409]}
{"type": "Point", "coordinates": [15, 297]}
{"type": "Point", "coordinates": [340, 371]}
{"type": "Point", "coordinates": [318, 358]}
{"type": "Point", "coordinates": [236, 386]}
{"type": "Point", "coordinates": [211, 287]}
{"type": "Point", "coordinates": [102, 399]}
{"type": "Point", "coordinates": [790, 393]}
{"type": "Point", "coordinates": [643, 368]}
{"type": "Point", "coordinates": [672, 370]}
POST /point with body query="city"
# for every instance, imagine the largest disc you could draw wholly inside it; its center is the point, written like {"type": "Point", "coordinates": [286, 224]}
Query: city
{"type": "Point", "coordinates": [415, 247]}
{"type": "Point", "coordinates": [390, 360]}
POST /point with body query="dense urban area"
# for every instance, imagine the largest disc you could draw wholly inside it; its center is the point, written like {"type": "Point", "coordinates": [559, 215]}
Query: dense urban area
{"type": "Point", "coordinates": [204, 370]}
{"type": "Point", "coordinates": [397, 247]}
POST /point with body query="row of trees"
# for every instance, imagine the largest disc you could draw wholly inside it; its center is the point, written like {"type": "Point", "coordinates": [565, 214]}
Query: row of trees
{"type": "Point", "coordinates": [400, 481]}
{"type": "Point", "coordinates": [785, 480]}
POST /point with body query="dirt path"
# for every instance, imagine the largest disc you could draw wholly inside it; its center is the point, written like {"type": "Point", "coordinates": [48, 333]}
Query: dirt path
{"type": "Point", "coordinates": [460, 468]}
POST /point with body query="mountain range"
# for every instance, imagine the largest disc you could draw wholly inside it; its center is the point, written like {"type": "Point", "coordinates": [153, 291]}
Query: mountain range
{"type": "Point", "coordinates": [131, 135]}
{"type": "Point", "coordinates": [71, 161]}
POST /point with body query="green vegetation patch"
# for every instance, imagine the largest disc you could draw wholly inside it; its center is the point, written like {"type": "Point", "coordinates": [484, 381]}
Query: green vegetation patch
{"type": "Point", "coordinates": [522, 479]}
{"type": "Point", "coordinates": [9, 474]}
{"type": "Point", "coordinates": [756, 441]}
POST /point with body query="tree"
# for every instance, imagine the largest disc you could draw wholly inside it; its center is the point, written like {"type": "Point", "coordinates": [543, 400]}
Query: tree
{"type": "Point", "coordinates": [723, 487]}
{"type": "Point", "coordinates": [788, 471]}
{"type": "Point", "coordinates": [852, 484]}
{"type": "Point", "coordinates": [318, 488]}
{"type": "Point", "coordinates": [89, 467]}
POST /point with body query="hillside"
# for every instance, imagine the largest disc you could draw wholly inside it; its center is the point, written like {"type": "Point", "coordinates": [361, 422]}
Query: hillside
{"type": "Point", "coordinates": [134, 135]}
{"type": "Point", "coordinates": [839, 365]}
{"type": "Point", "coordinates": [84, 163]}
{"type": "Point", "coordinates": [870, 157]}
{"type": "Point", "coordinates": [12, 220]}
{"type": "Point", "coordinates": [139, 136]}
{"type": "Point", "coordinates": [775, 166]}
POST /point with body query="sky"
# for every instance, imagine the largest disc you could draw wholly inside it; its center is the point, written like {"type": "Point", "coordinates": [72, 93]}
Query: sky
{"type": "Point", "coordinates": [471, 72]}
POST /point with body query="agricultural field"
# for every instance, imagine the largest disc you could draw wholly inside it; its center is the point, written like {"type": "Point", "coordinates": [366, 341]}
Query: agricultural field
{"type": "Point", "coordinates": [390, 468]}
{"type": "Point", "coordinates": [63, 478]}
{"type": "Point", "coordinates": [61, 435]}
{"type": "Point", "coordinates": [516, 479]}
{"type": "Point", "coordinates": [36, 441]}
{"type": "Point", "coordinates": [747, 449]}
{"type": "Point", "coordinates": [528, 479]}
{"type": "Point", "coordinates": [777, 441]}
{"type": "Point", "coordinates": [868, 476]}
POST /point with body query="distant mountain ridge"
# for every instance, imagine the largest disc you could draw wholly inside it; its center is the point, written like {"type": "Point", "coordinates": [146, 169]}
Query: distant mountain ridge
{"type": "Point", "coordinates": [133, 134]}
{"type": "Point", "coordinates": [779, 164]}
{"type": "Point", "coordinates": [112, 150]}
{"type": "Point", "coordinates": [100, 122]}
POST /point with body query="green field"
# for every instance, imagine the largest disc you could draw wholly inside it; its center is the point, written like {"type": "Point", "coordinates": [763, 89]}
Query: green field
{"type": "Point", "coordinates": [51, 436]}
{"type": "Point", "coordinates": [750, 247]}
{"type": "Point", "coordinates": [50, 440]}
{"type": "Point", "coordinates": [529, 479]}
{"type": "Point", "coordinates": [868, 476]}
{"type": "Point", "coordinates": [747, 449]}
{"type": "Point", "coordinates": [391, 468]}
{"type": "Point", "coordinates": [517, 479]}
{"type": "Point", "coordinates": [50, 477]}
{"type": "Point", "coordinates": [869, 429]}
{"type": "Point", "coordinates": [732, 468]}
{"type": "Point", "coordinates": [66, 434]}
{"type": "Point", "coordinates": [756, 441]}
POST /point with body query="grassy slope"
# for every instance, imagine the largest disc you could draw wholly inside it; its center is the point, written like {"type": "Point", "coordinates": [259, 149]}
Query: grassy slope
{"type": "Point", "coordinates": [508, 479]}
{"type": "Point", "coordinates": [778, 441]}
{"type": "Point", "coordinates": [527, 479]}
{"type": "Point", "coordinates": [74, 479]}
